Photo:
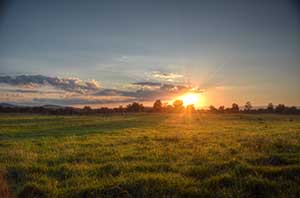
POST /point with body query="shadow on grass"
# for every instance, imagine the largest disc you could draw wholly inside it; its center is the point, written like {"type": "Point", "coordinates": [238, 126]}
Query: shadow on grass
{"type": "Point", "coordinates": [79, 127]}
{"type": "Point", "coordinates": [4, 188]}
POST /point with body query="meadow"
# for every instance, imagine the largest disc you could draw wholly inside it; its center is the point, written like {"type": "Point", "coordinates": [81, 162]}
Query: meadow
{"type": "Point", "coordinates": [150, 155]}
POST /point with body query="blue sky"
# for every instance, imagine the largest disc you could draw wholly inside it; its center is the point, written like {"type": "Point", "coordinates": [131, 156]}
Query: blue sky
{"type": "Point", "coordinates": [233, 51]}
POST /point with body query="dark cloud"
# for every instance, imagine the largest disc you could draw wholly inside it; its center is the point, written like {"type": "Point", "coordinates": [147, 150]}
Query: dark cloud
{"type": "Point", "coordinates": [148, 95]}
{"type": "Point", "coordinates": [163, 91]}
{"type": "Point", "coordinates": [29, 91]}
{"type": "Point", "coordinates": [67, 84]}
{"type": "Point", "coordinates": [155, 84]}
{"type": "Point", "coordinates": [110, 92]}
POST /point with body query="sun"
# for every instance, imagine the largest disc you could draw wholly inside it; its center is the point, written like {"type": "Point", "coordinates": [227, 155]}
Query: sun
{"type": "Point", "coordinates": [191, 98]}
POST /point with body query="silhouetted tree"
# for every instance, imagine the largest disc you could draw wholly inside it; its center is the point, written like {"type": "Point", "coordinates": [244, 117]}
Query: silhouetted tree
{"type": "Point", "coordinates": [190, 108]}
{"type": "Point", "coordinates": [270, 107]}
{"type": "Point", "coordinates": [69, 111]}
{"type": "Point", "coordinates": [135, 107]}
{"type": "Point", "coordinates": [248, 106]}
{"type": "Point", "coordinates": [178, 106]}
{"type": "Point", "coordinates": [87, 109]}
{"type": "Point", "coordinates": [280, 108]}
{"type": "Point", "coordinates": [235, 107]}
{"type": "Point", "coordinates": [291, 110]}
{"type": "Point", "coordinates": [221, 109]}
{"type": "Point", "coordinates": [121, 109]}
{"type": "Point", "coordinates": [168, 108]}
{"type": "Point", "coordinates": [157, 106]}
{"type": "Point", "coordinates": [212, 108]}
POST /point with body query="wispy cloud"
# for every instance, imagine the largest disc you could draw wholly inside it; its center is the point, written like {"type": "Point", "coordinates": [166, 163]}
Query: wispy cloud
{"type": "Point", "coordinates": [165, 76]}
{"type": "Point", "coordinates": [154, 84]}
{"type": "Point", "coordinates": [29, 91]}
{"type": "Point", "coordinates": [67, 84]}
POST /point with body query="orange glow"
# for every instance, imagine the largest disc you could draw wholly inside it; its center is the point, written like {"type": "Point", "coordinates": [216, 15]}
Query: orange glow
{"type": "Point", "coordinates": [191, 98]}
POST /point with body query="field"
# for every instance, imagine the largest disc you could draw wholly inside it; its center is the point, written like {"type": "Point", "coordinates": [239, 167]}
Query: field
{"type": "Point", "coordinates": [150, 155]}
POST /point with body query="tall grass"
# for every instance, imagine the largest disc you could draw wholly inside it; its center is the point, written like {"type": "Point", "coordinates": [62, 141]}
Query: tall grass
{"type": "Point", "coordinates": [150, 155]}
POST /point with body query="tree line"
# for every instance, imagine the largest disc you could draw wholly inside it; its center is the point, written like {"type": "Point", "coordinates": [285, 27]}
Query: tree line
{"type": "Point", "coordinates": [158, 107]}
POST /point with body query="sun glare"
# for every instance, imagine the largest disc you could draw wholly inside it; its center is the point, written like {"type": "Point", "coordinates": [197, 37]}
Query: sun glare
{"type": "Point", "coordinates": [191, 98]}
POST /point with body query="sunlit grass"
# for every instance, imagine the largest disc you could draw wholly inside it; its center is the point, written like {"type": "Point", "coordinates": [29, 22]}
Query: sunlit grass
{"type": "Point", "coordinates": [152, 155]}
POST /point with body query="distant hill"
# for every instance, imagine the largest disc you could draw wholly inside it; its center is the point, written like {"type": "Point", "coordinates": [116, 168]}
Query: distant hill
{"type": "Point", "coordinates": [7, 105]}
{"type": "Point", "coordinates": [49, 106]}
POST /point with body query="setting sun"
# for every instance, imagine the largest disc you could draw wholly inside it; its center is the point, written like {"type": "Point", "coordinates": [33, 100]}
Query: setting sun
{"type": "Point", "coordinates": [191, 98]}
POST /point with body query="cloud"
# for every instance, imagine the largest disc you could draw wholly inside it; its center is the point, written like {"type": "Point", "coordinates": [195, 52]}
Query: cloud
{"type": "Point", "coordinates": [38, 89]}
{"type": "Point", "coordinates": [155, 84]}
{"type": "Point", "coordinates": [160, 91]}
{"type": "Point", "coordinates": [93, 84]}
{"type": "Point", "coordinates": [67, 84]}
{"type": "Point", "coordinates": [165, 76]}
{"type": "Point", "coordinates": [29, 91]}
{"type": "Point", "coordinates": [109, 92]}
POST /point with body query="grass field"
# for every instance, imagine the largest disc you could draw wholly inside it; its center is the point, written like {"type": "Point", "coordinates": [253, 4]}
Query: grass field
{"type": "Point", "coordinates": [150, 155]}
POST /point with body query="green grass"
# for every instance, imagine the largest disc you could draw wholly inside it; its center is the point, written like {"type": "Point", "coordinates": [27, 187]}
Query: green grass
{"type": "Point", "coordinates": [151, 155]}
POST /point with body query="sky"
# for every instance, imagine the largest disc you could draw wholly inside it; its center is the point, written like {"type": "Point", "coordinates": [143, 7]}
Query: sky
{"type": "Point", "coordinates": [107, 53]}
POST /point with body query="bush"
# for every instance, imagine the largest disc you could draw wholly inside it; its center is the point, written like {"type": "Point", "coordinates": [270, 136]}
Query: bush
{"type": "Point", "coordinates": [32, 190]}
